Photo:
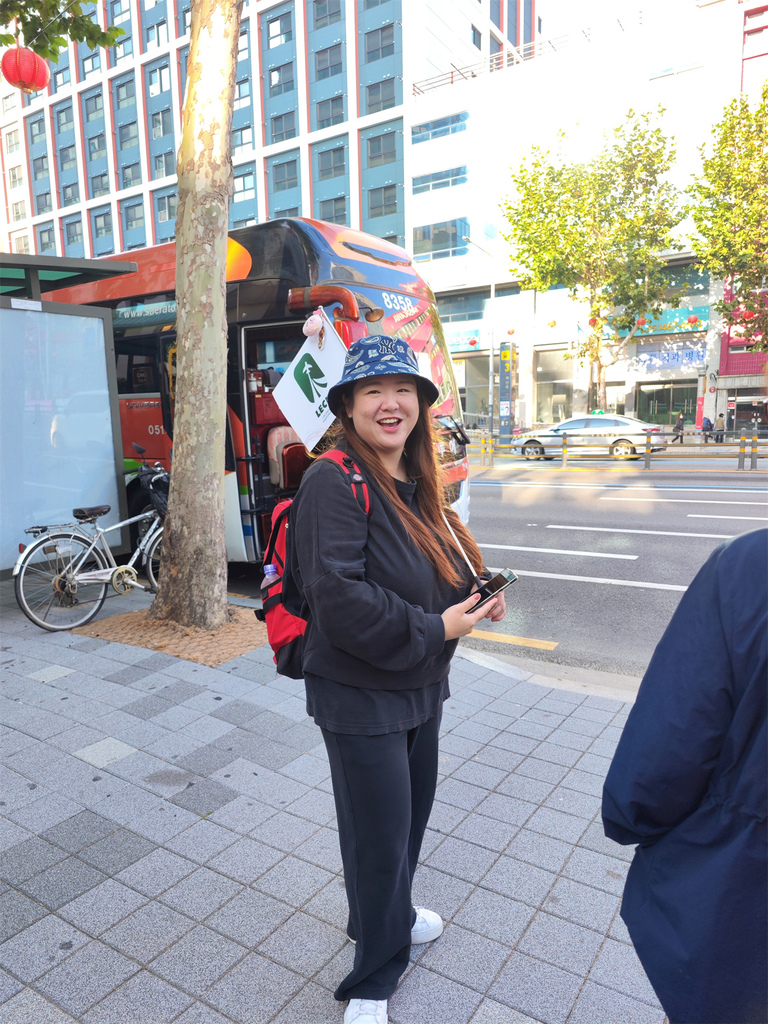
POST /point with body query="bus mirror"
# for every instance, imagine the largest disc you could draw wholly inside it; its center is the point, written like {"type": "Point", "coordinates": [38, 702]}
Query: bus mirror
{"type": "Point", "coordinates": [371, 315]}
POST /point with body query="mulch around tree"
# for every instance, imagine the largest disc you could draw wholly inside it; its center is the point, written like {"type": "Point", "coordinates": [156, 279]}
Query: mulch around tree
{"type": "Point", "coordinates": [205, 647]}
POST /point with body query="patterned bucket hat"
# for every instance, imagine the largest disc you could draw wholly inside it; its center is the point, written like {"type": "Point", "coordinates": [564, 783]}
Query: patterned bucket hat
{"type": "Point", "coordinates": [379, 356]}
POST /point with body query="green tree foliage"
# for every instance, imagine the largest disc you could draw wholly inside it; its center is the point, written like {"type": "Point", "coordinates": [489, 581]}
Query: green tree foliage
{"type": "Point", "coordinates": [730, 211]}
{"type": "Point", "coordinates": [599, 229]}
{"type": "Point", "coordinates": [46, 26]}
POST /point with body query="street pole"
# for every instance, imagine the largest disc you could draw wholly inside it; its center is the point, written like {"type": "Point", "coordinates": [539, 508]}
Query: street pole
{"type": "Point", "coordinates": [491, 342]}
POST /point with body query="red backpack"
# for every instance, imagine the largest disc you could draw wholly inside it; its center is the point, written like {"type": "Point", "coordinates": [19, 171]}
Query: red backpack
{"type": "Point", "coordinates": [281, 600]}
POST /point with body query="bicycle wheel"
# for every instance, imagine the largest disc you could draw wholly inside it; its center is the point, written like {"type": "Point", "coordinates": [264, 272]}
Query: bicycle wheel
{"type": "Point", "coordinates": [152, 560]}
{"type": "Point", "coordinates": [47, 586]}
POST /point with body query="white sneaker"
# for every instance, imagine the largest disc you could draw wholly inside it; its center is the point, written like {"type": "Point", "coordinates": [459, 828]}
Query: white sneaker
{"type": "Point", "coordinates": [366, 1011]}
{"type": "Point", "coordinates": [427, 927]}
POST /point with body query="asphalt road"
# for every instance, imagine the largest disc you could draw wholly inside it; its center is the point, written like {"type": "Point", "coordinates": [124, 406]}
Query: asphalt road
{"type": "Point", "coordinates": [603, 552]}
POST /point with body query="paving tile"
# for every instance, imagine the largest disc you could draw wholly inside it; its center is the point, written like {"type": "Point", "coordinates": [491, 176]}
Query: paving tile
{"type": "Point", "coordinates": [445, 818]}
{"type": "Point", "coordinates": [322, 848]}
{"type": "Point", "coordinates": [43, 814]}
{"type": "Point", "coordinates": [293, 880]}
{"type": "Point", "coordinates": [254, 991]}
{"type": "Point", "coordinates": [540, 990]}
{"type": "Point", "coordinates": [309, 1006]}
{"type": "Point", "coordinates": [573, 740]}
{"type": "Point", "coordinates": [583, 782]}
{"type": "Point", "coordinates": [461, 747]}
{"type": "Point", "coordinates": [129, 674]}
{"type": "Point", "coordinates": [507, 808]}
{"type": "Point", "coordinates": [485, 832]}
{"type": "Point", "coordinates": [30, 1008]}
{"type": "Point", "coordinates": [198, 960]}
{"type": "Point", "coordinates": [594, 764]}
{"type": "Point", "coordinates": [249, 776]}
{"type": "Point", "coordinates": [164, 821]}
{"type": "Point", "coordinates": [596, 840]}
{"type": "Point", "coordinates": [200, 1014]}
{"type": "Point", "coordinates": [147, 707]}
{"type": "Point", "coordinates": [250, 917]}
{"type": "Point", "coordinates": [50, 673]}
{"type": "Point", "coordinates": [306, 769]}
{"type": "Point", "coordinates": [11, 834]}
{"type": "Point", "coordinates": [618, 967]}
{"type": "Point", "coordinates": [495, 916]}
{"type": "Point", "coordinates": [462, 859]}
{"type": "Point", "coordinates": [204, 796]}
{"type": "Point", "coordinates": [237, 712]}
{"type": "Point", "coordinates": [284, 831]}
{"type": "Point", "coordinates": [478, 774]}
{"type": "Point", "coordinates": [79, 831]}
{"type": "Point", "coordinates": [581, 904]}
{"type": "Point", "coordinates": [330, 904]}
{"type": "Point", "coordinates": [303, 944]}
{"type": "Point", "coordinates": [117, 851]}
{"type": "Point", "coordinates": [506, 760]}
{"type": "Point", "coordinates": [242, 815]}
{"type": "Point", "coordinates": [568, 800]}
{"type": "Point", "coordinates": [602, 872]}
{"type": "Point", "coordinates": [205, 760]}
{"type": "Point", "coordinates": [519, 881]}
{"type": "Point", "coordinates": [491, 1012]}
{"type": "Point", "coordinates": [102, 907]}
{"type": "Point", "coordinates": [148, 932]}
{"type": "Point", "coordinates": [464, 956]}
{"type": "Point", "coordinates": [104, 752]}
{"type": "Point", "coordinates": [449, 1002]}
{"type": "Point", "coordinates": [17, 912]}
{"type": "Point", "coordinates": [201, 893]}
{"type": "Point", "coordinates": [543, 851]}
{"type": "Point", "coordinates": [8, 986]}
{"type": "Point", "coordinates": [524, 788]}
{"type": "Point", "coordinates": [86, 977]}
{"type": "Point", "coordinates": [619, 931]}
{"type": "Point", "coordinates": [202, 841]}
{"type": "Point", "coordinates": [315, 806]}
{"type": "Point", "coordinates": [438, 891]}
{"type": "Point", "coordinates": [548, 822]}
{"type": "Point", "coordinates": [562, 943]}
{"type": "Point", "coordinates": [599, 1005]}
{"type": "Point", "coordinates": [62, 883]}
{"type": "Point", "coordinates": [153, 874]}
{"type": "Point", "coordinates": [27, 859]}
{"type": "Point", "coordinates": [35, 950]}
{"type": "Point", "coordinates": [546, 771]}
{"type": "Point", "coordinates": [460, 794]}
{"type": "Point", "coordinates": [143, 998]}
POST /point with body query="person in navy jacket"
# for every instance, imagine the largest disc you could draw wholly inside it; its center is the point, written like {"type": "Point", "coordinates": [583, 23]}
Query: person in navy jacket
{"type": "Point", "coordinates": [688, 785]}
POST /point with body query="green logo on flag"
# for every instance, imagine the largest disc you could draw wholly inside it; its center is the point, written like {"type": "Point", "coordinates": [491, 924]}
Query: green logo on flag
{"type": "Point", "coordinates": [310, 378]}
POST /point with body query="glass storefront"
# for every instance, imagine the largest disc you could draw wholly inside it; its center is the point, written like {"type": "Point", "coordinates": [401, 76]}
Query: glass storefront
{"type": "Point", "coordinates": [661, 401]}
{"type": "Point", "coordinates": [553, 378]}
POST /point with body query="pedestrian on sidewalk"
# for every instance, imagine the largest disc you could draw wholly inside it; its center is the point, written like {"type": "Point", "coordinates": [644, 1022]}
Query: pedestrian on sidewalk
{"type": "Point", "coordinates": [678, 429]}
{"type": "Point", "coordinates": [706, 429]}
{"type": "Point", "coordinates": [719, 428]}
{"type": "Point", "coordinates": [388, 596]}
{"type": "Point", "coordinates": [688, 784]}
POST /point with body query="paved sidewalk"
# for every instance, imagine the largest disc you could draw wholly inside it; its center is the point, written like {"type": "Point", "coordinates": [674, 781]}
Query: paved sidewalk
{"type": "Point", "coordinates": [168, 852]}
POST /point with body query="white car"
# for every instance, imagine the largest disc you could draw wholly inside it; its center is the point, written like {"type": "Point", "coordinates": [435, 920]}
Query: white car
{"type": "Point", "coordinates": [623, 437]}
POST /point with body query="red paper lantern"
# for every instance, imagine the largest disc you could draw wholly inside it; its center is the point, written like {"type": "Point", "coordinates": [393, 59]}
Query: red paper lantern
{"type": "Point", "coordinates": [592, 321]}
{"type": "Point", "coordinates": [25, 69]}
{"type": "Point", "coordinates": [511, 330]}
{"type": "Point", "coordinates": [473, 341]}
{"type": "Point", "coordinates": [747, 314]}
{"type": "Point", "coordinates": [693, 319]}
{"type": "Point", "coordinates": [641, 321]}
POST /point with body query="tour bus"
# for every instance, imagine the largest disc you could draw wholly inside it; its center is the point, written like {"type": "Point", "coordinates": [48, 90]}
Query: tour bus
{"type": "Point", "coordinates": [278, 273]}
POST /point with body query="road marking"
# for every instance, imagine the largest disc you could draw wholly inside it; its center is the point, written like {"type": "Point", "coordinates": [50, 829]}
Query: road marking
{"type": "Point", "coordinates": [597, 579]}
{"type": "Point", "coordinates": [701, 515]}
{"type": "Point", "coordinates": [654, 533]}
{"type": "Point", "coordinates": [621, 487]}
{"type": "Point", "coordinates": [518, 641]}
{"type": "Point", "coordinates": [558, 551]}
{"type": "Point", "coordinates": [682, 501]}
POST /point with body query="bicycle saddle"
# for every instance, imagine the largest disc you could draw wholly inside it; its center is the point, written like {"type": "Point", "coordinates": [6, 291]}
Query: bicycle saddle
{"type": "Point", "coordinates": [84, 515]}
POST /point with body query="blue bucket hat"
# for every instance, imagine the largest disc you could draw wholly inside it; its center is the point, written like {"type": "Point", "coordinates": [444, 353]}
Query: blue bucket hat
{"type": "Point", "coordinates": [379, 356]}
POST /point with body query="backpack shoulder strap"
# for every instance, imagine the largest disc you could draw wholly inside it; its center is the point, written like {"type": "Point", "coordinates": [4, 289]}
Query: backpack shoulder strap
{"type": "Point", "coordinates": [354, 475]}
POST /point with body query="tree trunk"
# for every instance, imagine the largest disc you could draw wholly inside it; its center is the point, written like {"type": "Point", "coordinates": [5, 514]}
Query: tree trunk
{"type": "Point", "coordinates": [193, 572]}
{"type": "Point", "coordinates": [602, 400]}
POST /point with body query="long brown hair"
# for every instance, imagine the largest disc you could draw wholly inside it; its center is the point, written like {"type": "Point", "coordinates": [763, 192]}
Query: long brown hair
{"type": "Point", "coordinates": [431, 536]}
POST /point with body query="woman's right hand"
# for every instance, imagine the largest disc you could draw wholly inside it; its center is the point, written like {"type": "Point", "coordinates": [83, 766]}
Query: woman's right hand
{"type": "Point", "coordinates": [460, 619]}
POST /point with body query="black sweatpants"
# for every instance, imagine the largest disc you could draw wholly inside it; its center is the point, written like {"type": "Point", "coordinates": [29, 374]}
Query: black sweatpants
{"type": "Point", "coordinates": [383, 787]}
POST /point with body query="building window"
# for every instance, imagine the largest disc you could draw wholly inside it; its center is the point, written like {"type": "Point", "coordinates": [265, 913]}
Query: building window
{"type": "Point", "coordinates": [242, 138]}
{"type": "Point", "coordinates": [440, 179]}
{"type": "Point", "coordinates": [437, 241]}
{"type": "Point", "coordinates": [40, 167]}
{"type": "Point", "coordinates": [369, 4]}
{"type": "Point", "coordinates": [47, 240]}
{"type": "Point", "coordinates": [74, 232]}
{"type": "Point", "coordinates": [186, 15]}
{"type": "Point", "coordinates": [19, 210]}
{"type": "Point", "coordinates": [382, 201]}
{"type": "Point", "coordinates": [327, 12]}
{"type": "Point", "coordinates": [332, 163]}
{"type": "Point", "coordinates": [281, 80]}
{"type": "Point", "coordinates": [328, 62]}
{"type": "Point", "coordinates": [97, 147]}
{"type": "Point", "coordinates": [68, 158]}
{"type": "Point", "coordinates": [246, 223]}
{"type": "Point", "coordinates": [166, 208]}
{"type": "Point", "coordinates": [330, 112]}
{"type": "Point", "coordinates": [382, 149]}
{"type": "Point", "coordinates": [124, 48]}
{"type": "Point", "coordinates": [21, 245]}
{"type": "Point", "coordinates": [286, 175]}
{"type": "Point", "coordinates": [162, 123]}
{"type": "Point", "coordinates": [242, 94]}
{"type": "Point", "coordinates": [70, 194]}
{"type": "Point", "coordinates": [334, 210]}
{"type": "Point", "coordinates": [379, 43]}
{"type": "Point", "coordinates": [242, 45]}
{"type": "Point", "coordinates": [102, 224]}
{"type": "Point", "coordinates": [244, 187]}
{"type": "Point", "coordinates": [99, 185]}
{"type": "Point", "coordinates": [12, 141]}
{"type": "Point", "coordinates": [37, 131]}
{"type": "Point", "coordinates": [43, 202]}
{"type": "Point", "coordinates": [131, 175]}
{"type": "Point", "coordinates": [380, 96]}
{"type": "Point", "coordinates": [15, 177]}
{"type": "Point", "coordinates": [292, 211]}
{"type": "Point", "coordinates": [64, 119]}
{"type": "Point", "coordinates": [159, 80]}
{"type": "Point", "coordinates": [279, 31]}
{"type": "Point", "coordinates": [477, 39]}
{"type": "Point", "coordinates": [442, 126]}
{"type": "Point", "coordinates": [121, 11]}
{"type": "Point", "coordinates": [129, 135]}
{"type": "Point", "coordinates": [157, 35]}
{"type": "Point", "coordinates": [165, 164]}
{"type": "Point", "coordinates": [125, 94]}
{"type": "Point", "coordinates": [94, 107]}
{"type": "Point", "coordinates": [60, 78]}
{"type": "Point", "coordinates": [462, 306]}
{"type": "Point", "coordinates": [91, 64]}
{"type": "Point", "coordinates": [9, 103]}
{"type": "Point", "coordinates": [284, 127]}
{"type": "Point", "coordinates": [134, 217]}
{"type": "Point", "coordinates": [496, 13]}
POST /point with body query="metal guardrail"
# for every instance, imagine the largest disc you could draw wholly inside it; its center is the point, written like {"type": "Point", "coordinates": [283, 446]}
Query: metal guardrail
{"type": "Point", "coordinates": [488, 447]}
